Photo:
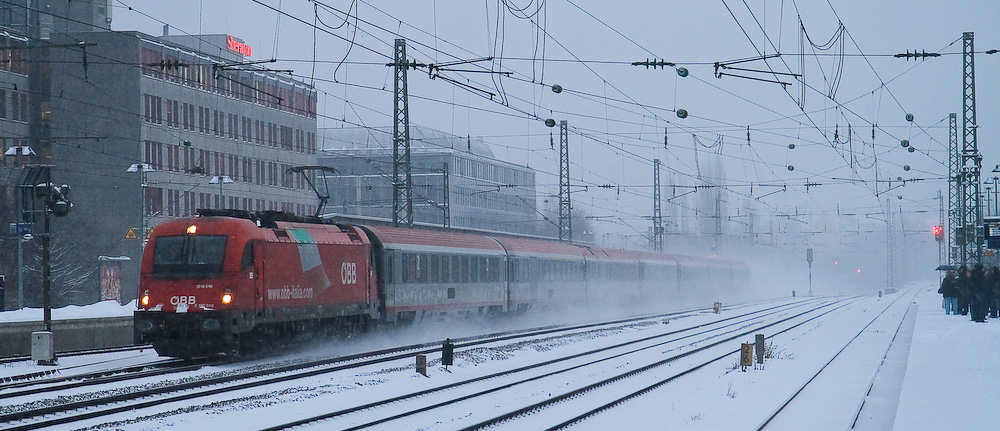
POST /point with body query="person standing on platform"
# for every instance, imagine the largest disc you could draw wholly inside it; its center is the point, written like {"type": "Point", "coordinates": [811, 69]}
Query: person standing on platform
{"type": "Point", "coordinates": [978, 284]}
{"type": "Point", "coordinates": [962, 287]}
{"type": "Point", "coordinates": [994, 293]}
{"type": "Point", "coordinates": [949, 290]}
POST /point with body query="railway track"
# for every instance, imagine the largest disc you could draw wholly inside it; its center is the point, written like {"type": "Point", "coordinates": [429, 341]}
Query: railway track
{"type": "Point", "coordinates": [57, 383]}
{"type": "Point", "coordinates": [535, 378]}
{"type": "Point", "coordinates": [810, 393]}
{"type": "Point", "coordinates": [22, 358]}
{"type": "Point", "coordinates": [86, 407]}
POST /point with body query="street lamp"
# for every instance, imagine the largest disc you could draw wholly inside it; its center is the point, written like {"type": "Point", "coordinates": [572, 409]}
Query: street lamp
{"type": "Point", "coordinates": [19, 150]}
{"type": "Point", "coordinates": [996, 180]}
{"type": "Point", "coordinates": [220, 180]}
{"type": "Point", "coordinates": [22, 230]}
{"type": "Point", "coordinates": [988, 188]}
{"type": "Point", "coordinates": [142, 169]}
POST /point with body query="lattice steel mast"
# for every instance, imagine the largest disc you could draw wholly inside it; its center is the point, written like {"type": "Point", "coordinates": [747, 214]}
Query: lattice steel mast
{"type": "Point", "coordinates": [972, 216]}
{"type": "Point", "coordinates": [565, 208]}
{"type": "Point", "coordinates": [657, 214]}
{"type": "Point", "coordinates": [954, 190]}
{"type": "Point", "coordinates": [402, 180]}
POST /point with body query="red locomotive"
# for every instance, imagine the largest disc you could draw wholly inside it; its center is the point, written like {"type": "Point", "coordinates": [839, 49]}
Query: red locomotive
{"type": "Point", "coordinates": [227, 281]}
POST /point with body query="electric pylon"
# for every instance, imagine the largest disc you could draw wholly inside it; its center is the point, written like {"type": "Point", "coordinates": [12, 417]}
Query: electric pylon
{"type": "Point", "coordinates": [565, 208]}
{"type": "Point", "coordinates": [402, 180]}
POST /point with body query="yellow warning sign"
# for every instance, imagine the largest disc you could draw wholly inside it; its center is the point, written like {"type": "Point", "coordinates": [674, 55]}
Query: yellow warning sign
{"type": "Point", "coordinates": [130, 234]}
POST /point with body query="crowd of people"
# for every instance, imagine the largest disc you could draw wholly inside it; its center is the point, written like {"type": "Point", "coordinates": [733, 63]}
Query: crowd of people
{"type": "Point", "coordinates": [973, 291]}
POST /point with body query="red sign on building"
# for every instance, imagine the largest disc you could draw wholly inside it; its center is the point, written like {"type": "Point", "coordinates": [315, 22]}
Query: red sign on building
{"type": "Point", "coordinates": [238, 46]}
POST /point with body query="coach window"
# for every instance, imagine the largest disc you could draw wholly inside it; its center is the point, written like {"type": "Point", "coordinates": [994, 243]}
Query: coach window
{"type": "Point", "coordinates": [422, 268]}
{"type": "Point", "coordinates": [465, 269]}
{"type": "Point", "coordinates": [483, 264]}
{"type": "Point", "coordinates": [474, 268]}
{"type": "Point", "coordinates": [404, 268]}
{"type": "Point", "coordinates": [389, 269]}
{"type": "Point", "coordinates": [495, 269]}
{"type": "Point", "coordinates": [409, 268]}
{"type": "Point", "coordinates": [456, 269]}
{"type": "Point", "coordinates": [445, 268]}
{"type": "Point", "coordinates": [435, 267]}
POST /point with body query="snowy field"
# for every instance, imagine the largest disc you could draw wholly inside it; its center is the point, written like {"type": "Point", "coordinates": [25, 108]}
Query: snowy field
{"type": "Point", "coordinates": [941, 373]}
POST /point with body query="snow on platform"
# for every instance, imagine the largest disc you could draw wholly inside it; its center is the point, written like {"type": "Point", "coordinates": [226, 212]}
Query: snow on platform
{"type": "Point", "coordinates": [952, 378]}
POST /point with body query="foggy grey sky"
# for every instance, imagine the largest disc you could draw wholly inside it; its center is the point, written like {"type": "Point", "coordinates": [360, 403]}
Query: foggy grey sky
{"type": "Point", "coordinates": [618, 112]}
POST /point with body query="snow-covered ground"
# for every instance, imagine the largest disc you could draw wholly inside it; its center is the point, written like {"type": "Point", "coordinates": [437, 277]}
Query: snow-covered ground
{"type": "Point", "coordinates": [943, 373]}
{"type": "Point", "coordinates": [100, 309]}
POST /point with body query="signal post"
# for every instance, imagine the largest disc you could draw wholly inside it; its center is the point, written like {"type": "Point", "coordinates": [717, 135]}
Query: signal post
{"type": "Point", "coordinates": [38, 186]}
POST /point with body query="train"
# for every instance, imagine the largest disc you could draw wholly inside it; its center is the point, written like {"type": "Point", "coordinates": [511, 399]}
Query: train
{"type": "Point", "coordinates": [230, 281]}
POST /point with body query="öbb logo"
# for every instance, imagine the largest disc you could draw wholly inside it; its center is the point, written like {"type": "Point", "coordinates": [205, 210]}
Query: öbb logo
{"type": "Point", "coordinates": [178, 300]}
{"type": "Point", "coordinates": [349, 273]}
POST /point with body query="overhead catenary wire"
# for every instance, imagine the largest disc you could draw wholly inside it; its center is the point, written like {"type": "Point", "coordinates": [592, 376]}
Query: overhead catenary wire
{"type": "Point", "coordinates": [607, 119]}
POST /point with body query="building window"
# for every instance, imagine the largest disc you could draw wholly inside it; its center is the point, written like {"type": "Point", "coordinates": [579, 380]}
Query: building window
{"type": "Point", "coordinates": [233, 126]}
{"type": "Point", "coordinates": [259, 129]}
{"type": "Point", "coordinates": [151, 62]}
{"type": "Point", "coordinates": [286, 180]}
{"type": "Point", "coordinates": [153, 112]}
{"type": "Point", "coordinates": [154, 201]}
{"type": "Point", "coordinates": [287, 138]}
{"type": "Point", "coordinates": [172, 203]}
{"type": "Point", "coordinates": [19, 106]}
{"type": "Point", "coordinates": [154, 154]}
{"type": "Point", "coordinates": [215, 122]}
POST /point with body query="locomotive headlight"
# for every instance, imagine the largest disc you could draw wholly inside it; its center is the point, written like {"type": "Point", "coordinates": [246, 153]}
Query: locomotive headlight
{"type": "Point", "coordinates": [145, 298]}
{"type": "Point", "coordinates": [192, 229]}
{"type": "Point", "coordinates": [227, 297]}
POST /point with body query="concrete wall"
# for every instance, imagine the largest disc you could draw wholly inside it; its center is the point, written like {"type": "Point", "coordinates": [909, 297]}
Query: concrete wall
{"type": "Point", "coordinates": [72, 334]}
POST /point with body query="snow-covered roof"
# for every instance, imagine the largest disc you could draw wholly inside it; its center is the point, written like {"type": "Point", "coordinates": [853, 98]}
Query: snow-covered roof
{"type": "Point", "coordinates": [421, 139]}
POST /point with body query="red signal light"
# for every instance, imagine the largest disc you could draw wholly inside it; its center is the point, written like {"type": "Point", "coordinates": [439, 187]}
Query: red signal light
{"type": "Point", "coordinates": [938, 233]}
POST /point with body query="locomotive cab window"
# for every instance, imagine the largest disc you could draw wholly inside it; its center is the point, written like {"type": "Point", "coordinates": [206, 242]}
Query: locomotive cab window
{"type": "Point", "coordinates": [247, 260]}
{"type": "Point", "coordinates": [189, 256]}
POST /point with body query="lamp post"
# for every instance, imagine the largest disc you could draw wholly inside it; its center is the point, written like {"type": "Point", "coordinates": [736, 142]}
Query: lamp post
{"type": "Point", "coordinates": [996, 180]}
{"type": "Point", "coordinates": [22, 230]}
{"type": "Point", "coordinates": [142, 169]}
{"type": "Point", "coordinates": [20, 268]}
{"type": "Point", "coordinates": [988, 188]}
{"type": "Point", "coordinates": [220, 180]}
